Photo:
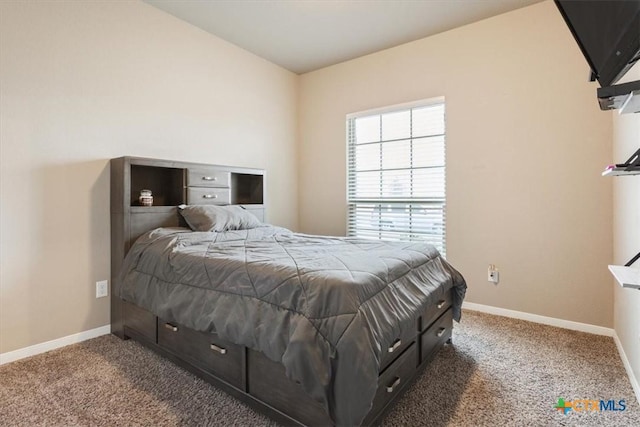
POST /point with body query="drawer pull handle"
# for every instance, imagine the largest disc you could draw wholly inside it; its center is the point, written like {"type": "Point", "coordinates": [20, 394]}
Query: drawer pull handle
{"type": "Point", "coordinates": [395, 384]}
{"type": "Point", "coordinates": [218, 349]}
{"type": "Point", "coordinates": [395, 345]}
{"type": "Point", "coordinates": [210, 196]}
{"type": "Point", "coordinates": [441, 304]}
{"type": "Point", "coordinates": [441, 332]}
{"type": "Point", "coordinates": [209, 178]}
{"type": "Point", "coordinates": [171, 327]}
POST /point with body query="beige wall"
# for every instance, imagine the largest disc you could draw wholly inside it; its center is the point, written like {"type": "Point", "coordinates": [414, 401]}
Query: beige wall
{"type": "Point", "coordinates": [526, 144]}
{"type": "Point", "coordinates": [82, 82]}
{"type": "Point", "coordinates": [626, 231]}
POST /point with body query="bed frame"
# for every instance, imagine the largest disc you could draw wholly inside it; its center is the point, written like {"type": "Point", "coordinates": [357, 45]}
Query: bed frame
{"type": "Point", "coordinates": [241, 372]}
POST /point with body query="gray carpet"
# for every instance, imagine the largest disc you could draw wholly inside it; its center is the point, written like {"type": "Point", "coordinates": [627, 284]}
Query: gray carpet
{"type": "Point", "coordinates": [498, 372]}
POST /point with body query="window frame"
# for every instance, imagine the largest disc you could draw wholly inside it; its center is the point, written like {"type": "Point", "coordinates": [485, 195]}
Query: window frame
{"type": "Point", "coordinates": [351, 202]}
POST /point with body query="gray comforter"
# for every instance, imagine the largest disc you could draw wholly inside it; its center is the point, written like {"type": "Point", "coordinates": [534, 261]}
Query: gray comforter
{"type": "Point", "coordinates": [325, 307]}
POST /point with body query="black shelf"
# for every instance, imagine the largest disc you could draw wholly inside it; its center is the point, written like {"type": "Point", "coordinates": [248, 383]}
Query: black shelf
{"type": "Point", "coordinates": [624, 97]}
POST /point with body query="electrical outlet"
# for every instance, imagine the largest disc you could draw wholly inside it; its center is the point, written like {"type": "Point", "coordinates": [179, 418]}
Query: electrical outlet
{"type": "Point", "coordinates": [492, 274]}
{"type": "Point", "coordinates": [102, 289]}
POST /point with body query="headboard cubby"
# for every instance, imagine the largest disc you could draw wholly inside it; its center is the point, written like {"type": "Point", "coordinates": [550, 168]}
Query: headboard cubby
{"type": "Point", "coordinates": [166, 184]}
{"type": "Point", "coordinates": [172, 183]}
{"type": "Point", "coordinates": [249, 188]}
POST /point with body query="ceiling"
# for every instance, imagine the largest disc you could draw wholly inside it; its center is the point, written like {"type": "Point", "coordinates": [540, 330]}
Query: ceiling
{"type": "Point", "coordinates": [305, 35]}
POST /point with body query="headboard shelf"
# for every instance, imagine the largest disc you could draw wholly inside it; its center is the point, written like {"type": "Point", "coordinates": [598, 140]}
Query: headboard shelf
{"type": "Point", "coordinates": [172, 183]}
{"type": "Point", "coordinates": [248, 189]}
{"type": "Point", "coordinates": [166, 184]}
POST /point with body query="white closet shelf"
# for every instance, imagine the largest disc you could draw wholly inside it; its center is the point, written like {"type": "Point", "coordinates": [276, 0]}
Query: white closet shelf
{"type": "Point", "coordinates": [628, 277]}
{"type": "Point", "coordinates": [630, 167]}
{"type": "Point", "coordinates": [614, 170]}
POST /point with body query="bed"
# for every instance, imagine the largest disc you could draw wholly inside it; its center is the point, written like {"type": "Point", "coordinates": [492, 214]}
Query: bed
{"type": "Point", "coordinates": [311, 330]}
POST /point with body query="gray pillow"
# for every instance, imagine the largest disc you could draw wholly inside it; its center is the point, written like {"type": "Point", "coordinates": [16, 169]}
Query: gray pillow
{"type": "Point", "coordinates": [218, 218]}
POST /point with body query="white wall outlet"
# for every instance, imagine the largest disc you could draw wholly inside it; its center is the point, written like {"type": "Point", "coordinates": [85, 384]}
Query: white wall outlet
{"type": "Point", "coordinates": [493, 275]}
{"type": "Point", "coordinates": [102, 288]}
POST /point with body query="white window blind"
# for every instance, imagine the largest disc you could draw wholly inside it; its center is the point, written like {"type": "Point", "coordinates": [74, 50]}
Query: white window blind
{"type": "Point", "coordinates": [396, 174]}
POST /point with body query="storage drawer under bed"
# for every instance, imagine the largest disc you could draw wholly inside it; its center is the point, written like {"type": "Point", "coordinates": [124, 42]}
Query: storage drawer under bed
{"type": "Point", "coordinates": [437, 334]}
{"type": "Point", "coordinates": [269, 383]}
{"type": "Point", "coordinates": [393, 379]}
{"type": "Point", "coordinates": [204, 350]}
{"type": "Point", "coordinates": [434, 311]}
{"type": "Point", "coordinates": [396, 348]}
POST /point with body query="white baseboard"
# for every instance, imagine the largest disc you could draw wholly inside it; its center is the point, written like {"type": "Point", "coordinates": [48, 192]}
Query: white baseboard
{"type": "Point", "coordinates": [551, 321]}
{"type": "Point", "coordinates": [21, 353]}
{"type": "Point", "coordinates": [627, 367]}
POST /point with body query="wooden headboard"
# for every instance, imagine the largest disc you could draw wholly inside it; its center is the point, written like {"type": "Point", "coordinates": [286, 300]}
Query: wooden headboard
{"type": "Point", "coordinates": [172, 183]}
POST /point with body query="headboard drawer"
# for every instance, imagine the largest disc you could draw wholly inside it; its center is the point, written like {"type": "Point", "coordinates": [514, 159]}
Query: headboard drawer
{"type": "Point", "coordinates": [207, 177]}
{"type": "Point", "coordinates": [208, 196]}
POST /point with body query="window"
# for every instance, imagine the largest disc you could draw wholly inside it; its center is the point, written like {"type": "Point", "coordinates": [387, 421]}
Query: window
{"type": "Point", "coordinates": [396, 174]}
